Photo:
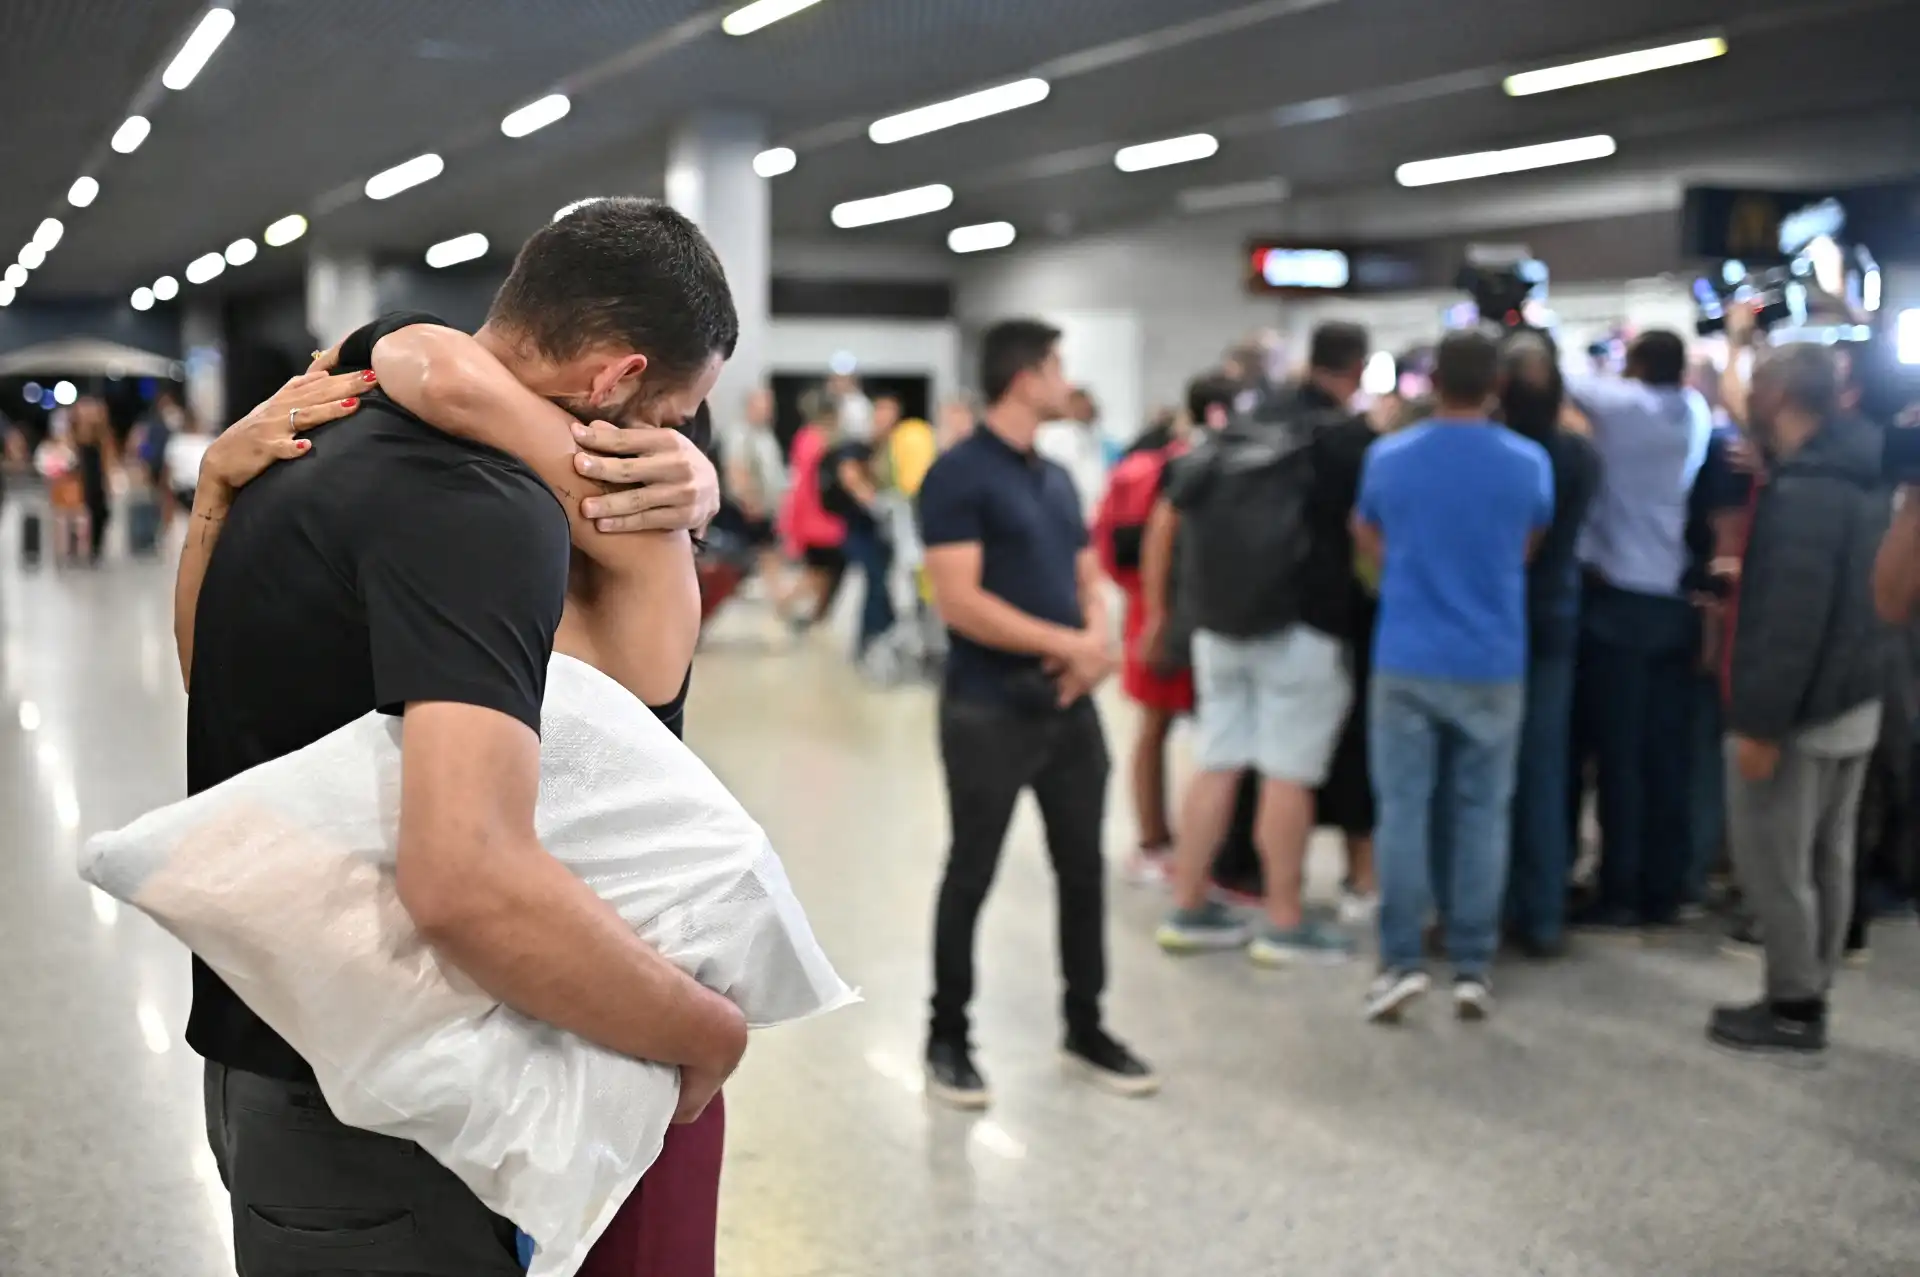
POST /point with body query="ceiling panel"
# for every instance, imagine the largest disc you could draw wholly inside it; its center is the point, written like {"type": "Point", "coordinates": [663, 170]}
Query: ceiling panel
{"type": "Point", "coordinates": [309, 97]}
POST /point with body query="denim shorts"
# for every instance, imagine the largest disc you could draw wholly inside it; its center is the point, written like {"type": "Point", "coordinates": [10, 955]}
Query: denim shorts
{"type": "Point", "coordinates": [1274, 704]}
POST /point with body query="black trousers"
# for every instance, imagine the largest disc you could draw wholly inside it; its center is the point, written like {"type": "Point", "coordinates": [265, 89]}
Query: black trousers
{"type": "Point", "coordinates": [313, 1197]}
{"type": "Point", "coordinates": [990, 754]}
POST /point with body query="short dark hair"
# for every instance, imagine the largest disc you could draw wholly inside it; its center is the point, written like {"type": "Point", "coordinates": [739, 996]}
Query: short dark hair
{"type": "Point", "coordinates": [1532, 387]}
{"type": "Point", "coordinates": [1465, 368]}
{"type": "Point", "coordinates": [1209, 390]}
{"type": "Point", "coordinates": [1658, 357]}
{"type": "Point", "coordinates": [816, 406]}
{"type": "Point", "coordinates": [1805, 375]}
{"type": "Point", "coordinates": [1010, 348]}
{"type": "Point", "coordinates": [1339, 346]}
{"type": "Point", "coordinates": [626, 272]}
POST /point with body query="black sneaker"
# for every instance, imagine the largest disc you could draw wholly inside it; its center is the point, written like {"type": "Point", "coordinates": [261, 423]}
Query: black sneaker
{"type": "Point", "coordinates": [1106, 1063]}
{"type": "Point", "coordinates": [951, 1077]}
{"type": "Point", "coordinates": [1759, 1027]}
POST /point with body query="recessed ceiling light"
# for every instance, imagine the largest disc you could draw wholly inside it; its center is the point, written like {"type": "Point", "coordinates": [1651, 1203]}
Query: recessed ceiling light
{"type": "Point", "coordinates": [205, 267]}
{"type": "Point", "coordinates": [891, 208]}
{"type": "Point", "coordinates": [1460, 168]}
{"type": "Point", "coordinates": [960, 110]}
{"type": "Point", "coordinates": [1612, 68]}
{"type": "Point", "coordinates": [132, 132]}
{"type": "Point", "coordinates": [166, 288]}
{"type": "Point", "coordinates": [6, 299]}
{"type": "Point", "coordinates": [536, 115]}
{"type": "Point", "coordinates": [242, 251]}
{"type": "Point", "coordinates": [199, 47]}
{"type": "Point", "coordinates": [976, 239]}
{"type": "Point", "coordinates": [142, 299]}
{"type": "Point", "coordinates": [82, 192]}
{"type": "Point", "coordinates": [1174, 150]}
{"type": "Point", "coordinates": [15, 276]}
{"type": "Point", "coordinates": [461, 248]}
{"type": "Point", "coordinates": [285, 231]}
{"type": "Point", "coordinates": [761, 13]}
{"type": "Point", "coordinates": [32, 256]}
{"type": "Point", "coordinates": [774, 161]}
{"type": "Point", "coordinates": [48, 233]}
{"type": "Point", "coordinates": [421, 168]}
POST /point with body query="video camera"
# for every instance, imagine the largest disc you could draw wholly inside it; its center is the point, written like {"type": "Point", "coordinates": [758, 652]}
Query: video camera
{"type": "Point", "coordinates": [1502, 291]}
{"type": "Point", "coordinates": [1825, 281]}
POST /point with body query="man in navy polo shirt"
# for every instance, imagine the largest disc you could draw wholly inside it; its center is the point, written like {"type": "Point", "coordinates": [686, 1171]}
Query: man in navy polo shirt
{"type": "Point", "coordinates": [1021, 593]}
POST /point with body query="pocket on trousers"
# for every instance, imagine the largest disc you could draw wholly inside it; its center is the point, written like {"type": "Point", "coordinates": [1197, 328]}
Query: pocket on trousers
{"type": "Point", "coordinates": [285, 1238]}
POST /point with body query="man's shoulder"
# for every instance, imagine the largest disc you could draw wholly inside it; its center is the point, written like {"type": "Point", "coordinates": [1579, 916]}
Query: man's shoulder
{"type": "Point", "coordinates": [403, 464]}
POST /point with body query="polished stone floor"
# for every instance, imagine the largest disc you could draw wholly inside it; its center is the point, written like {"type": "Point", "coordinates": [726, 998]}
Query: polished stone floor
{"type": "Point", "coordinates": [1588, 1130]}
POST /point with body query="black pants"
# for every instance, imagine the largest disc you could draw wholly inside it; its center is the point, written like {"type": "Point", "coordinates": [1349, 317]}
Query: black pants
{"type": "Point", "coordinates": [991, 753]}
{"type": "Point", "coordinates": [315, 1198]}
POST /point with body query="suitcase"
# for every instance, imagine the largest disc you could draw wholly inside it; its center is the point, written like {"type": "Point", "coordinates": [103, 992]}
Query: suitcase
{"type": "Point", "coordinates": [30, 535]}
{"type": "Point", "coordinates": [143, 525]}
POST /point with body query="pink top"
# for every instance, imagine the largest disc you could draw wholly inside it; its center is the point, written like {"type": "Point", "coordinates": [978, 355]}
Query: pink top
{"type": "Point", "coordinates": [805, 524]}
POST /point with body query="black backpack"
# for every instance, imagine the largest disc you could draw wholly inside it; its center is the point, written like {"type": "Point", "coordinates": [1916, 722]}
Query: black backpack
{"type": "Point", "coordinates": [1245, 500]}
{"type": "Point", "coordinates": [834, 497]}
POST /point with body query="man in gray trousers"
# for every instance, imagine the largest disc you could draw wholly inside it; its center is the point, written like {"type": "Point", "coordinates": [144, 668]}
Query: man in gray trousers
{"type": "Point", "coordinates": [1804, 687]}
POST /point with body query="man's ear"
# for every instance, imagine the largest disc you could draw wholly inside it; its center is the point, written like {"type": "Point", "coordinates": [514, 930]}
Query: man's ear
{"type": "Point", "coordinates": [617, 377]}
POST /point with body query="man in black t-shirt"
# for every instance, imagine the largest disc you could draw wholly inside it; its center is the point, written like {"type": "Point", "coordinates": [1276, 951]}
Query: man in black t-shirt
{"type": "Point", "coordinates": [400, 569]}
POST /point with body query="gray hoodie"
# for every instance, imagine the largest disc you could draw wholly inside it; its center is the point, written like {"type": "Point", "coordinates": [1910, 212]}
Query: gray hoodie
{"type": "Point", "coordinates": [1807, 645]}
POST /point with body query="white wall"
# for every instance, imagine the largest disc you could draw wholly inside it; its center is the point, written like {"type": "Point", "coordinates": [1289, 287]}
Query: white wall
{"type": "Point", "coordinates": [929, 348]}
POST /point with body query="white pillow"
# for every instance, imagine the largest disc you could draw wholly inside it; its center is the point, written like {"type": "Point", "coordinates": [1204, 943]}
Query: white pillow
{"type": "Point", "coordinates": [281, 880]}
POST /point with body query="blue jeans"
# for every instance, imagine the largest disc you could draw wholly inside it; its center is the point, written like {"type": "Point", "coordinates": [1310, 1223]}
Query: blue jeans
{"type": "Point", "coordinates": [1639, 656]}
{"type": "Point", "coordinates": [1443, 758]}
{"type": "Point", "coordinates": [1542, 837]}
{"type": "Point", "coordinates": [869, 551]}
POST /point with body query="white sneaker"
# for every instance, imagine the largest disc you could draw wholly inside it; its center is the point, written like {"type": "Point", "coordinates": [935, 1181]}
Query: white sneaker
{"type": "Point", "coordinates": [1392, 992]}
{"type": "Point", "coordinates": [1150, 867]}
{"type": "Point", "coordinates": [1357, 910]}
{"type": "Point", "coordinates": [1472, 998]}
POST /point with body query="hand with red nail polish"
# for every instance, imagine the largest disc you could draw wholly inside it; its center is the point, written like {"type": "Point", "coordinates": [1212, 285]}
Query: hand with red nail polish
{"type": "Point", "coordinates": [271, 431]}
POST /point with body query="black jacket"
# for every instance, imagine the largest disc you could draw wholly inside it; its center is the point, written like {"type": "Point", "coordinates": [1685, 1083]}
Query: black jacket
{"type": "Point", "coordinates": [1807, 644]}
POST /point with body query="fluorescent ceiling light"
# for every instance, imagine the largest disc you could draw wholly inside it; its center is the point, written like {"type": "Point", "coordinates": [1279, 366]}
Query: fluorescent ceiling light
{"type": "Point", "coordinates": [32, 256]}
{"type": "Point", "coordinates": [960, 110]}
{"type": "Point", "coordinates": [1906, 337]}
{"type": "Point", "coordinates": [461, 248]}
{"type": "Point", "coordinates": [16, 276]}
{"type": "Point", "coordinates": [762, 13]}
{"type": "Point", "coordinates": [132, 132]}
{"type": "Point", "coordinates": [166, 288]}
{"type": "Point", "coordinates": [421, 168]}
{"type": "Point", "coordinates": [976, 239]}
{"type": "Point", "coordinates": [775, 161]}
{"type": "Point", "coordinates": [1459, 168]}
{"type": "Point", "coordinates": [82, 192]}
{"type": "Point", "coordinates": [1612, 68]}
{"type": "Point", "coordinates": [48, 233]}
{"type": "Point", "coordinates": [242, 251]}
{"type": "Point", "coordinates": [891, 208]}
{"type": "Point", "coordinates": [536, 115]}
{"type": "Point", "coordinates": [205, 267]}
{"type": "Point", "coordinates": [1175, 150]}
{"type": "Point", "coordinates": [285, 231]}
{"type": "Point", "coordinates": [142, 299]}
{"type": "Point", "coordinates": [1208, 199]}
{"type": "Point", "coordinates": [199, 47]}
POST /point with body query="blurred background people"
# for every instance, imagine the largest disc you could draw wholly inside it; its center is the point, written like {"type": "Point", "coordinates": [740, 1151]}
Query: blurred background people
{"type": "Point", "coordinates": [1074, 442]}
{"type": "Point", "coordinates": [1805, 687]}
{"type": "Point", "coordinates": [1639, 634]}
{"type": "Point", "coordinates": [756, 478]}
{"type": "Point", "coordinates": [1452, 508]}
{"type": "Point", "coordinates": [850, 491]}
{"type": "Point", "coordinates": [96, 457]}
{"type": "Point", "coordinates": [814, 536]}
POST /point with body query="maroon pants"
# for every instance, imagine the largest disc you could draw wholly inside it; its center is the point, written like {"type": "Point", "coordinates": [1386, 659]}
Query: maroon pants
{"type": "Point", "coordinates": [667, 1226]}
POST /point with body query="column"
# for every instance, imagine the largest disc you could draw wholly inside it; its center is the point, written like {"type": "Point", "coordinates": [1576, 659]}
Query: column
{"type": "Point", "coordinates": [203, 342]}
{"type": "Point", "coordinates": [710, 178]}
{"type": "Point", "coordinates": [341, 295]}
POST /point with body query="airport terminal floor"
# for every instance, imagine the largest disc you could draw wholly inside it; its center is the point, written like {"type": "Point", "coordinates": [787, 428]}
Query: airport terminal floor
{"type": "Point", "coordinates": [1588, 1130]}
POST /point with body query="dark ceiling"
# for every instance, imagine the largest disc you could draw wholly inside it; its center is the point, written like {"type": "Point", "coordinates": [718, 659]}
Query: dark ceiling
{"type": "Point", "coordinates": [309, 97]}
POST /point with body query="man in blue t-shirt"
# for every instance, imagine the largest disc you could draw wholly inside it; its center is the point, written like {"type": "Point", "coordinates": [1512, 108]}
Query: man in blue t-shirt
{"type": "Point", "coordinates": [1451, 509]}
